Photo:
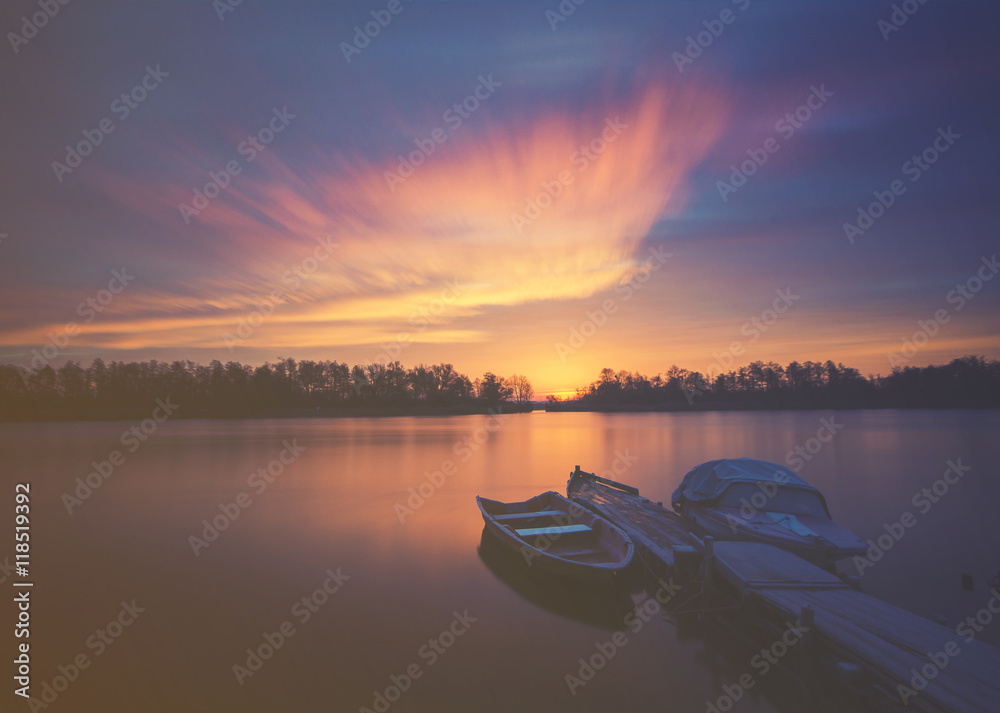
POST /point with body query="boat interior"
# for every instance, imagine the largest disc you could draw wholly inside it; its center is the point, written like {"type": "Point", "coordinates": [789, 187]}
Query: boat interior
{"type": "Point", "coordinates": [578, 537]}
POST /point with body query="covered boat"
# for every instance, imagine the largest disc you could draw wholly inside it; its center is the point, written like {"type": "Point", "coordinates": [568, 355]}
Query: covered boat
{"type": "Point", "coordinates": [559, 536]}
{"type": "Point", "coordinates": [749, 499]}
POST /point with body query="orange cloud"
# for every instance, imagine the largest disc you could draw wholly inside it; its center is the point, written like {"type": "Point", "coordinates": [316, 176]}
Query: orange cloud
{"type": "Point", "coordinates": [598, 181]}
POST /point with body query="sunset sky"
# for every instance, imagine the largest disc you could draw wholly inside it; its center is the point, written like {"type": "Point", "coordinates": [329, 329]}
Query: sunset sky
{"type": "Point", "coordinates": [450, 262]}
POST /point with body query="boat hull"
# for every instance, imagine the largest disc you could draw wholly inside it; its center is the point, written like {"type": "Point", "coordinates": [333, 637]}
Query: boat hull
{"type": "Point", "coordinates": [556, 535]}
{"type": "Point", "coordinates": [836, 543]}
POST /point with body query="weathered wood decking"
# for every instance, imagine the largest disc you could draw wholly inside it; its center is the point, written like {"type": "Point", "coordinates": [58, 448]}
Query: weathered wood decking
{"type": "Point", "coordinates": [848, 630]}
{"type": "Point", "coordinates": [652, 528]}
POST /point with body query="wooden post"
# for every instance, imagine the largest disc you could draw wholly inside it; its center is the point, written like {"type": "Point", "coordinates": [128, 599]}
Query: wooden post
{"type": "Point", "coordinates": [687, 563]}
{"type": "Point", "coordinates": [807, 620]}
{"type": "Point", "coordinates": [806, 658]}
{"type": "Point", "coordinates": [709, 552]}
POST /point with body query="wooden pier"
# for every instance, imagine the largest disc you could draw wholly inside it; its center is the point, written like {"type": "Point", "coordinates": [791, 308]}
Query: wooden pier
{"type": "Point", "coordinates": [890, 658]}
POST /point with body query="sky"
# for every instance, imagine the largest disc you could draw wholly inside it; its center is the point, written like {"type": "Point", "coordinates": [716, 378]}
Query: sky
{"type": "Point", "coordinates": [504, 186]}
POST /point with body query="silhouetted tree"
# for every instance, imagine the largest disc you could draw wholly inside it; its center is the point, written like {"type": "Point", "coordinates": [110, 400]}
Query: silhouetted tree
{"type": "Point", "coordinates": [521, 389]}
{"type": "Point", "coordinates": [494, 389]}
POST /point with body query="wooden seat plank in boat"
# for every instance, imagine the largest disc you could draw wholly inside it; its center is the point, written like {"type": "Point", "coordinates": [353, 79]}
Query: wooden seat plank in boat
{"type": "Point", "coordinates": [552, 530]}
{"type": "Point", "coordinates": [578, 553]}
{"type": "Point", "coordinates": [528, 515]}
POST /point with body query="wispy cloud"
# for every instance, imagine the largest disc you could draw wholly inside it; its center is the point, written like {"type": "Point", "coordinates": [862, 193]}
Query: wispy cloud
{"type": "Point", "coordinates": [451, 220]}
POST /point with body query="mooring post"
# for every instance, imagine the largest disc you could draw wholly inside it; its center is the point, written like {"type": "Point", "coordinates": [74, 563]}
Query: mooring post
{"type": "Point", "coordinates": [687, 563]}
{"type": "Point", "coordinates": [808, 619]}
{"type": "Point", "coordinates": [709, 553]}
{"type": "Point", "coordinates": [807, 623]}
{"type": "Point", "coordinates": [807, 653]}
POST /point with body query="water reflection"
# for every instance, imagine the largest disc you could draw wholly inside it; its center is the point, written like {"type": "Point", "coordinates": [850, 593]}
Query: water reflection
{"type": "Point", "coordinates": [599, 604]}
{"type": "Point", "coordinates": [335, 507]}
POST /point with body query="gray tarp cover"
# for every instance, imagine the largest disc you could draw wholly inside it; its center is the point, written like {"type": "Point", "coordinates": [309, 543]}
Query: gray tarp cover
{"type": "Point", "coordinates": [708, 480]}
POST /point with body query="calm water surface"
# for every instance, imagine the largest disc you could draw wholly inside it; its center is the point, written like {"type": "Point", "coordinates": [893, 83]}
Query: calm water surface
{"type": "Point", "coordinates": [337, 506]}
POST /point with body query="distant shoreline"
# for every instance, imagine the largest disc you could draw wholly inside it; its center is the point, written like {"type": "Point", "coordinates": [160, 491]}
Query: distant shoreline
{"type": "Point", "coordinates": [289, 413]}
{"type": "Point", "coordinates": [780, 407]}
{"type": "Point", "coordinates": [329, 389]}
{"type": "Point", "coordinates": [361, 412]}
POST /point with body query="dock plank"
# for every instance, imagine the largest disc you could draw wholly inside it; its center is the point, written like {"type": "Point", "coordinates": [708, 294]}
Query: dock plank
{"type": "Point", "coordinates": [756, 565]}
{"type": "Point", "coordinates": [892, 642]}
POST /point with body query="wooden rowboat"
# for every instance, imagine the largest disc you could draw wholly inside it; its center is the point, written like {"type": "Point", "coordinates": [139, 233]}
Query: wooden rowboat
{"type": "Point", "coordinates": [559, 536]}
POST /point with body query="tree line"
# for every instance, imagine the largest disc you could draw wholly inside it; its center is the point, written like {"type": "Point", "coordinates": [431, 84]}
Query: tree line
{"type": "Point", "coordinates": [968, 382]}
{"type": "Point", "coordinates": [119, 390]}
{"type": "Point", "coordinates": [232, 390]}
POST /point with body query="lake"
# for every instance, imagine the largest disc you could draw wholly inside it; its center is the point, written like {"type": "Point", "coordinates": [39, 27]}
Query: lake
{"type": "Point", "coordinates": [346, 554]}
